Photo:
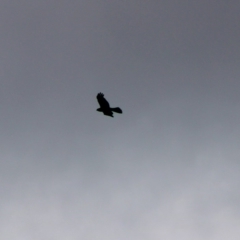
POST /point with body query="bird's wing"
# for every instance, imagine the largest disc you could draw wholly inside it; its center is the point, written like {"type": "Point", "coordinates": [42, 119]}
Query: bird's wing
{"type": "Point", "coordinates": [102, 101]}
{"type": "Point", "coordinates": [117, 110]}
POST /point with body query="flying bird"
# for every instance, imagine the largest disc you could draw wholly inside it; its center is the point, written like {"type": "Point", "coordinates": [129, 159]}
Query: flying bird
{"type": "Point", "coordinates": [105, 107]}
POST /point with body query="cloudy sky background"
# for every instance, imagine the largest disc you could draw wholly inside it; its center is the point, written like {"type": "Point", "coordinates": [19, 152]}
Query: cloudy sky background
{"type": "Point", "coordinates": [167, 168]}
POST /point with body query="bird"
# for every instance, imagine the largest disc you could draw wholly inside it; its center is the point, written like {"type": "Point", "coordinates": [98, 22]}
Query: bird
{"type": "Point", "coordinates": [105, 107]}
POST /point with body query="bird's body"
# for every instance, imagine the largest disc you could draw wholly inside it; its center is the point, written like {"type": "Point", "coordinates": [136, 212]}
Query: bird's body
{"type": "Point", "coordinates": [105, 107]}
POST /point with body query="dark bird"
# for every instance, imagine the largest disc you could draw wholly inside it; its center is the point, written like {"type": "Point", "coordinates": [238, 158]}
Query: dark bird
{"type": "Point", "coordinates": [105, 107]}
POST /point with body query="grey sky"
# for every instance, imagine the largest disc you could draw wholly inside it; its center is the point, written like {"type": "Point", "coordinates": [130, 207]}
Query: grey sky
{"type": "Point", "coordinates": [167, 168]}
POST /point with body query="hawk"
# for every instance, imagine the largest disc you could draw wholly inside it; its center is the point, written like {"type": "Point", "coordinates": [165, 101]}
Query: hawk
{"type": "Point", "coordinates": [105, 107]}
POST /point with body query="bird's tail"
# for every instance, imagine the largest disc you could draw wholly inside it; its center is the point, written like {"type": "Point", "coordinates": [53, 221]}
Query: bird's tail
{"type": "Point", "coordinates": [117, 110]}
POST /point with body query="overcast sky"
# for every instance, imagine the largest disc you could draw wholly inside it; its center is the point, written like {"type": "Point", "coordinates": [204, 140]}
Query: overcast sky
{"type": "Point", "coordinates": [167, 168]}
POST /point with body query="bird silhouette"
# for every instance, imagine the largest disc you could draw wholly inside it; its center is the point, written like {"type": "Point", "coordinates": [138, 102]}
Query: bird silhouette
{"type": "Point", "coordinates": [105, 107]}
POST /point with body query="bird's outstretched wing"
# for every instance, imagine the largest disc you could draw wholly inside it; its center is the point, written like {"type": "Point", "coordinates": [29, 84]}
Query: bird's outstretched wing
{"type": "Point", "coordinates": [102, 101]}
{"type": "Point", "coordinates": [117, 110]}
